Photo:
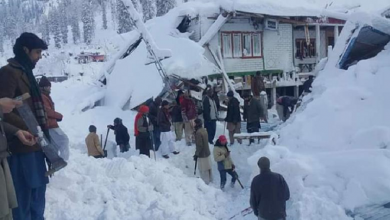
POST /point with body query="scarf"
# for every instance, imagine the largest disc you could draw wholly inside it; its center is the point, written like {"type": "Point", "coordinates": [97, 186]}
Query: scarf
{"type": "Point", "coordinates": [38, 108]}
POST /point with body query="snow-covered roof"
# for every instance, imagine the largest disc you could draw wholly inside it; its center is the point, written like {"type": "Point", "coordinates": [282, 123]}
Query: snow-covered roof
{"type": "Point", "coordinates": [139, 82]}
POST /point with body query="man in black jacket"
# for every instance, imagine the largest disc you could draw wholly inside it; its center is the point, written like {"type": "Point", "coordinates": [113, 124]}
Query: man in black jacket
{"type": "Point", "coordinates": [210, 115]}
{"type": "Point", "coordinates": [122, 136]}
{"type": "Point", "coordinates": [177, 120]}
{"type": "Point", "coordinates": [269, 193]}
{"type": "Point", "coordinates": [154, 108]}
{"type": "Point", "coordinates": [233, 117]}
{"type": "Point", "coordinates": [252, 114]}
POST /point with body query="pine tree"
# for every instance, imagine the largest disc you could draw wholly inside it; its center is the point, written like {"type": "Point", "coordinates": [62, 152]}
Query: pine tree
{"type": "Point", "coordinates": [114, 17]}
{"type": "Point", "coordinates": [1, 38]}
{"type": "Point", "coordinates": [74, 18]}
{"type": "Point", "coordinates": [88, 21]}
{"type": "Point", "coordinates": [46, 30]}
{"type": "Point", "coordinates": [124, 19]}
{"type": "Point", "coordinates": [104, 12]}
{"type": "Point", "coordinates": [55, 27]}
{"type": "Point", "coordinates": [163, 6]}
{"type": "Point", "coordinates": [149, 9]}
{"type": "Point", "coordinates": [63, 22]}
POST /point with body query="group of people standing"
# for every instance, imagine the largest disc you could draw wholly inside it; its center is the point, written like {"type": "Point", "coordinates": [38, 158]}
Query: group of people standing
{"type": "Point", "coordinates": [23, 163]}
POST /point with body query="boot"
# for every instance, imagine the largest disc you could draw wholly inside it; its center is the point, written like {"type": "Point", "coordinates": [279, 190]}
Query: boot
{"type": "Point", "coordinates": [165, 156]}
{"type": "Point", "coordinates": [176, 152]}
{"type": "Point", "coordinates": [232, 184]}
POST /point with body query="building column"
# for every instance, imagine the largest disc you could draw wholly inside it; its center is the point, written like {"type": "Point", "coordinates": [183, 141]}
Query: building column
{"type": "Point", "coordinates": [274, 93]}
{"type": "Point", "coordinates": [336, 34]}
{"type": "Point", "coordinates": [296, 91]}
{"type": "Point", "coordinates": [318, 42]}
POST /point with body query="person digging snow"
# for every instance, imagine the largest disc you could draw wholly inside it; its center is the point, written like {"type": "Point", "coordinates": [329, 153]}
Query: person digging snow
{"type": "Point", "coordinates": [94, 146]}
{"type": "Point", "coordinates": [202, 153]}
{"type": "Point", "coordinates": [142, 130]}
{"type": "Point", "coordinates": [53, 117]}
{"type": "Point", "coordinates": [224, 161]}
{"type": "Point", "coordinates": [122, 136]}
{"type": "Point", "coordinates": [269, 193]}
{"type": "Point", "coordinates": [285, 107]}
{"type": "Point", "coordinates": [27, 163]}
{"type": "Point", "coordinates": [167, 137]}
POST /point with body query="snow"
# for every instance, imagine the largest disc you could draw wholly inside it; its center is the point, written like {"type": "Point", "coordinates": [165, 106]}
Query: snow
{"type": "Point", "coordinates": [213, 30]}
{"type": "Point", "coordinates": [131, 74]}
{"type": "Point", "coordinates": [334, 151]}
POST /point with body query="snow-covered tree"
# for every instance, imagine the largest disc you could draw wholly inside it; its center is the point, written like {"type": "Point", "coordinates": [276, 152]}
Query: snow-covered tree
{"type": "Point", "coordinates": [124, 19]}
{"type": "Point", "coordinates": [163, 6]}
{"type": "Point", "coordinates": [88, 20]}
{"type": "Point", "coordinates": [63, 21]}
{"type": "Point", "coordinates": [1, 38]}
{"type": "Point", "coordinates": [55, 27]}
{"type": "Point", "coordinates": [74, 21]}
{"type": "Point", "coordinates": [45, 29]}
{"type": "Point", "coordinates": [104, 14]}
{"type": "Point", "coordinates": [149, 9]}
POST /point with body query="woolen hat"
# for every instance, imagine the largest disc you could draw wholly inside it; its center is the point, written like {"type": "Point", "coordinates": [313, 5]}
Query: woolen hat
{"type": "Point", "coordinates": [29, 40]}
{"type": "Point", "coordinates": [222, 139]}
{"type": "Point", "coordinates": [264, 163]}
{"type": "Point", "coordinates": [230, 94]}
{"type": "Point", "coordinates": [44, 82]}
{"type": "Point", "coordinates": [143, 109]}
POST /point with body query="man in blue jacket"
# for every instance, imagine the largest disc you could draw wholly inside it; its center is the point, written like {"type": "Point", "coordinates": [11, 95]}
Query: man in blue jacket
{"type": "Point", "coordinates": [269, 193]}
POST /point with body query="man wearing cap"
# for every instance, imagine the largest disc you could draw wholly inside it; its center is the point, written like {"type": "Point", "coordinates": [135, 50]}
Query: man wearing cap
{"type": "Point", "coordinates": [233, 117]}
{"type": "Point", "coordinates": [53, 117]}
{"type": "Point", "coordinates": [269, 193]}
{"type": "Point", "coordinates": [210, 115]}
{"type": "Point", "coordinates": [27, 163]}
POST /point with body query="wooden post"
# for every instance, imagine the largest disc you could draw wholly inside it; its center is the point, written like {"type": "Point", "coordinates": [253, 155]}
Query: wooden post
{"type": "Point", "coordinates": [336, 34]}
{"type": "Point", "coordinates": [318, 42]}
{"type": "Point", "coordinates": [274, 93]}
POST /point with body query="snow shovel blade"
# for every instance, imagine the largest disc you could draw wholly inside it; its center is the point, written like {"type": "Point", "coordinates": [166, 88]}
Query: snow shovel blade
{"type": "Point", "coordinates": [238, 180]}
{"type": "Point", "coordinates": [56, 167]}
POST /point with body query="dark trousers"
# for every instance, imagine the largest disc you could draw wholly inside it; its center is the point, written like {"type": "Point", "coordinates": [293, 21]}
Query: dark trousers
{"type": "Point", "coordinates": [156, 137]}
{"type": "Point", "coordinates": [28, 173]}
{"type": "Point", "coordinates": [222, 174]}
{"type": "Point", "coordinates": [124, 148]}
{"type": "Point", "coordinates": [211, 127]}
{"type": "Point", "coordinates": [143, 144]}
{"type": "Point", "coordinates": [253, 127]}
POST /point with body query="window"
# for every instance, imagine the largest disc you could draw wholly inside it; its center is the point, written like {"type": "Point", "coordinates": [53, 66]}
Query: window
{"type": "Point", "coordinates": [256, 45]}
{"type": "Point", "coordinates": [237, 45]}
{"type": "Point", "coordinates": [305, 50]}
{"type": "Point", "coordinates": [241, 44]}
{"type": "Point", "coordinates": [247, 45]}
{"type": "Point", "coordinates": [227, 45]}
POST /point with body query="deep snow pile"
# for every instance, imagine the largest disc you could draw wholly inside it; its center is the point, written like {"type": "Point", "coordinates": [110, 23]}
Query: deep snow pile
{"type": "Point", "coordinates": [335, 152]}
{"type": "Point", "coordinates": [128, 187]}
